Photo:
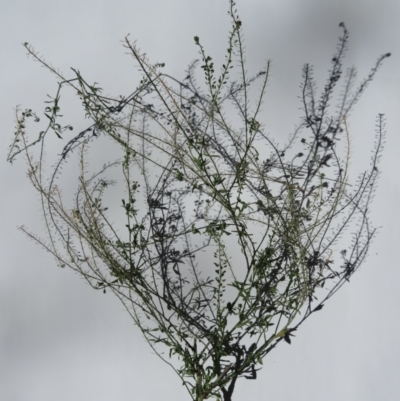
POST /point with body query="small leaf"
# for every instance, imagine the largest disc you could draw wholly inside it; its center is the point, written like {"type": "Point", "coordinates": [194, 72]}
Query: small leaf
{"type": "Point", "coordinates": [287, 338]}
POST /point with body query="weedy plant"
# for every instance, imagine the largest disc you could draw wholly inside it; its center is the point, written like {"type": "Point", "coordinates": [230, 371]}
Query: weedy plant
{"type": "Point", "coordinates": [266, 219]}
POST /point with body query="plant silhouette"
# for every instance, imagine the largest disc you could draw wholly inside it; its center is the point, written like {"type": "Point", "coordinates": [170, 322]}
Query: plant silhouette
{"type": "Point", "coordinates": [229, 237]}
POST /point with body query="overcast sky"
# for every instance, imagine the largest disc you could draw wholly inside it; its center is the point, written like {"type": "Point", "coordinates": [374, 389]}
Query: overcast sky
{"type": "Point", "coordinates": [62, 341]}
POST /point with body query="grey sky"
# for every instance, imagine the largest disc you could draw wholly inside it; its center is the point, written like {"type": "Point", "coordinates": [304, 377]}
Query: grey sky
{"type": "Point", "coordinates": [60, 340]}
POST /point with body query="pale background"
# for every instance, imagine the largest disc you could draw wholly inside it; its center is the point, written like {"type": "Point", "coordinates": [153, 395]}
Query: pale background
{"type": "Point", "coordinates": [62, 341]}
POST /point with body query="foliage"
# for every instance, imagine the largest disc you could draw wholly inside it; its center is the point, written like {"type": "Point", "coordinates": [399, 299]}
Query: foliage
{"type": "Point", "coordinates": [224, 249]}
